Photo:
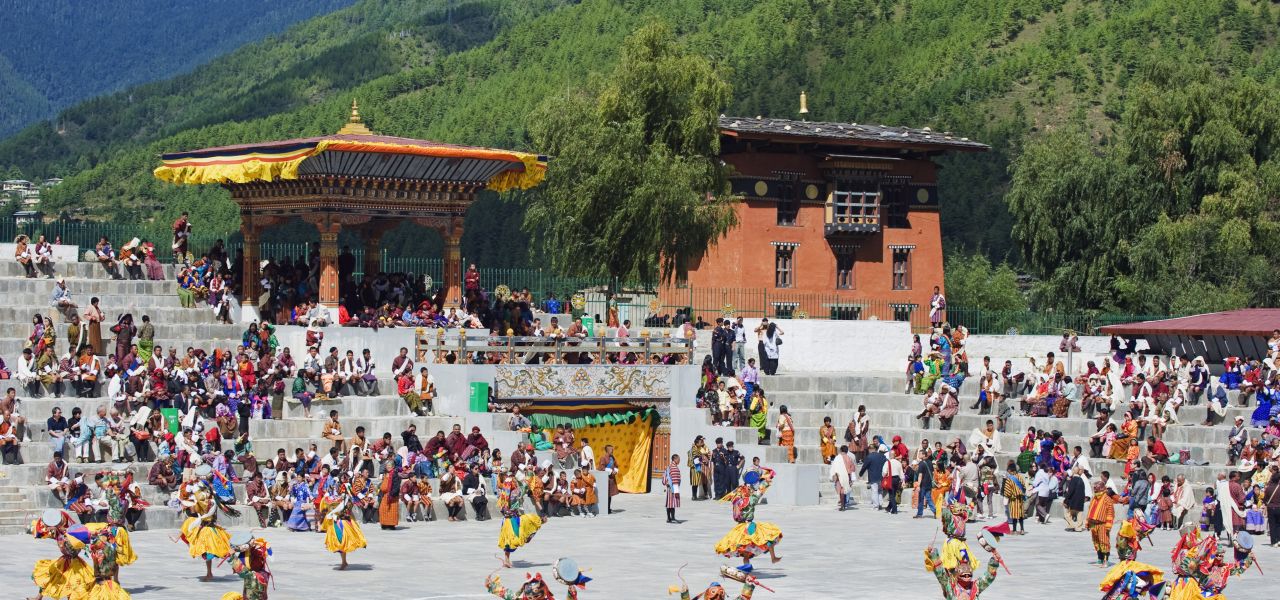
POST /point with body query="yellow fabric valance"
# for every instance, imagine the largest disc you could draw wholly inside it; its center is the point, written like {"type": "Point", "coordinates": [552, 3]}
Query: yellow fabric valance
{"type": "Point", "coordinates": [248, 164]}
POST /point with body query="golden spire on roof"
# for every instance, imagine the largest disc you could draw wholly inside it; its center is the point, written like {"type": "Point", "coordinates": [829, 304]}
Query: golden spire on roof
{"type": "Point", "coordinates": [354, 126]}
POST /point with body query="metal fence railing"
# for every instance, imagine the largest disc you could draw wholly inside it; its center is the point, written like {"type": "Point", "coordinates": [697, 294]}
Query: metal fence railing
{"type": "Point", "coordinates": [541, 283]}
{"type": "Point", "coordinates": [1009, 322]}
{"type": "Point", "coordinates": [86, 234]}
{"type": "Point", "coordinates": [707, 303]}
{"type": "Point", "coordinates": [414, 265]}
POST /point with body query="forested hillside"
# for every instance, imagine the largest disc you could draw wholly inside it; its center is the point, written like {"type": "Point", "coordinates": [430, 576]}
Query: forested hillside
{"type": "Point", "coordinates": [1006, 72]}
{"type": "Point", "coordinates": [55, 53]}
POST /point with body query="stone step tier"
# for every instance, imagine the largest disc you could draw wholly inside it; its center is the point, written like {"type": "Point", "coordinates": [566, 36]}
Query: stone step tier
{"type": "Point", "coordinates": [893, 412]}
{"type": "Point", "coordinates": [73, 270]}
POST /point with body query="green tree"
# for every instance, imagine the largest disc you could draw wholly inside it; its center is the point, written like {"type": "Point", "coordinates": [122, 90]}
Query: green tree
{"type": "Point", "coordinates": [635, 190]}
{"type": "Point", "coordinates": [1177, 214]}
{"type": "Point", "coordinates": [973, 282]}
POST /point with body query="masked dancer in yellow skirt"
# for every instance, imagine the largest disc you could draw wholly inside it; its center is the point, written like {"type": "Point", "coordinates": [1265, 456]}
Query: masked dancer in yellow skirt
{"type": "Point", "coordinates": [68, 576]}
{"type": "Point", "coordinates": [749, 538]}
{"type": "Point", "coordinates": [517, 526]}
{"type": "Point", "coordinates": [204, 538]}
{"type": "Point", "coordinates": [250, 563]}
{"type": "Point", "coordinates": [1130, 579]}
{"type": "Point", "coordinates": [112, 484]}
{"type": "Point", "coordinates": [341, 532]}
{"type": "Point", "coordinates": [1200, 569]}
{"type": "Point", "coordinates": [104, 551]}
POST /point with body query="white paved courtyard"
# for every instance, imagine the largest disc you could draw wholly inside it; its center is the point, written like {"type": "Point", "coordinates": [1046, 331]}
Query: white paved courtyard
{"type": "Point", "coordinates": [826, 554]}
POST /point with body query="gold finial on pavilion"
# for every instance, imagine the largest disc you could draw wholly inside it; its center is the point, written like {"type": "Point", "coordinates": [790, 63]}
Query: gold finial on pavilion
{"type": "Point", "coordinates": [354, 126]}
{"type": "Point", "coordinates": [804, 105]}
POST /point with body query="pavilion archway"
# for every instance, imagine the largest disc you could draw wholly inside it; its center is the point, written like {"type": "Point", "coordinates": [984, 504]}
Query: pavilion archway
{"type": "Point", "coordinates": [353, 180]}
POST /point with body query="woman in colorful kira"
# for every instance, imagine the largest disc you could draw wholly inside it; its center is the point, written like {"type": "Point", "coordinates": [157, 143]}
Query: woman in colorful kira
{"type": "Point", "coordinates": [341, 532]}
{"type": "Point", "coordinates": [204, 538]}
{"type": "Point", "coordinates": [517, 527]}
{"type": "Point", "coordinates": [748, 538]}
{"type": "Point", "coordinates": [250, 563]}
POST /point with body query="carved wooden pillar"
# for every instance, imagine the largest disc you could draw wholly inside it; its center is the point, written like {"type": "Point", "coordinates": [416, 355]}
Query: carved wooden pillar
{"type": "Point", "coordinates": [329, 295]}
{"type": "Point", "coordinates": [452, 235]}
{"type": "Point", "coordinates": [251, 273]}
{"type": "Point", "coordinates": [660, 455]}
{"type": "Point", "coordinates": [372, 251]}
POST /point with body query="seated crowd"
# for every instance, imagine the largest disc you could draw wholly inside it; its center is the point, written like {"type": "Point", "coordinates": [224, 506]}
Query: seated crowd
{"type": "Point", "coordinates": [1134, 398]}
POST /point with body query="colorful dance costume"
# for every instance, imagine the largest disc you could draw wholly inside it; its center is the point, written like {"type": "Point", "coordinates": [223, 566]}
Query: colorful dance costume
{"type": "Point", "coordinates": [954, 566]}
{"type": "Point", "coordinates": [715, 591]}
{"type": "Point", "coordinates": [106, 567]}
{"type": "Point", "coordinates": [517, 528]}
{"type": "Point", "coordinates": [250, 563]}
{"type": "Point", "coordinates": [1200, 572]}
{"type": "Point", "coordinates": [204, 538]}
{"type": "Point", "coordinates": [534, 588]}
{"type": "Point", "coordinates": [1102, 515]}
{"type": "Point", "coordinates": [749, 538]}
{"type": "Point", "coordinates": [114, 491]}
{"type": "Point", "coordinates": [68, 576]}
{"type": "Point", "coordinates": [1130, 579]}
{"type": "Point", "coordinates": [341, 532]}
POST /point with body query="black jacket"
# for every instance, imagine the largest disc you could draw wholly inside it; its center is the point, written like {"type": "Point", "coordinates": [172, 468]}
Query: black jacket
{"type": "Point", "coordinates": [924, 474]}
{"type": "Point", "coordinates": [1076, 496]}
{"type": "Point", "coordinates": [873, 467]}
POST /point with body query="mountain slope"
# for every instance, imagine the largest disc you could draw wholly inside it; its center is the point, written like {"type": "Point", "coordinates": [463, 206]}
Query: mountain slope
{"type": "Point", "coordinates": [998, 71]}
{"type": "Point", "coordinates": [66, 51]}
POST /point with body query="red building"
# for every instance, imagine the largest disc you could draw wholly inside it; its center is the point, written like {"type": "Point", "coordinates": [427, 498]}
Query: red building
{"type": "Point", "coordinates": [837, 220]}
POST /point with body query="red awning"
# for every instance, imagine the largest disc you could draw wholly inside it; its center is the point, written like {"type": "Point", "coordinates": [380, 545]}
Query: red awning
{"type": "Point", "coordinates": [1242, 322]}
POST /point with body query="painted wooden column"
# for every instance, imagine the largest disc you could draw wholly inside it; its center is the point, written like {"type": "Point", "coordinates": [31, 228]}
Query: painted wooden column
{"type": "Point", "coordinates": [452, 235]}
{"type": "Point", "coordinates": [372, 251]}
{"type": "Point", "coordinates": [372, 233]}
{"type": "Point", "coordinates": [329, 291]}
{"type": "Point", "coordinates": [251, 272]}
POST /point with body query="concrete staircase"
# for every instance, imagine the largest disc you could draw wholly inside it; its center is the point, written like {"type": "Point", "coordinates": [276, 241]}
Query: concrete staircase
{"type": "Point", "coordinates": [811, 397]}
{"type": "Point", "coordinates": [23, 490]}
{"type": "Point", "coordinates": [25, 494]}
{"type": "Point", "coordinates": [175, 326]}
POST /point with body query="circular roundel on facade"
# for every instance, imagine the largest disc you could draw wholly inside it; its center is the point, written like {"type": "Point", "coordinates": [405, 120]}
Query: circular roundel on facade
{"type": "Point", "coordinates": [922, 195]}
{"type": "Point", "coordinates": [762, 188]}
{"type": "Point", "coordinates": [811, 192]}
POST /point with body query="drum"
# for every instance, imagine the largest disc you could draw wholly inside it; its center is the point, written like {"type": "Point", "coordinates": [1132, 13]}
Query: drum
{"type": "Point", "coordinates": [732, 573]}
{"type": "Point", "coordinates": [568, 573]}
{"type": "Point", "coordinates": [241, 539]}
{"type": "Point", "coordinates": [51, 518]}
{"type": "Point", "coordinates": [988, 540]}
{"type": "Point", "coordinates": [1244, 541]}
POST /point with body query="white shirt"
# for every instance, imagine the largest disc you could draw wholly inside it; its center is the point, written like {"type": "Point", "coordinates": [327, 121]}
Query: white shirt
{"type": "Point", "coordinates": [26, 369]}
{"type": "Point", "coordinates": [839, 472]}
{"type": "Point", "coordinates": [990, 445]}
{"type": "Point", "coordinates": [588, 456]}
{"type": "Point", "coordinates": [1082, 461]}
